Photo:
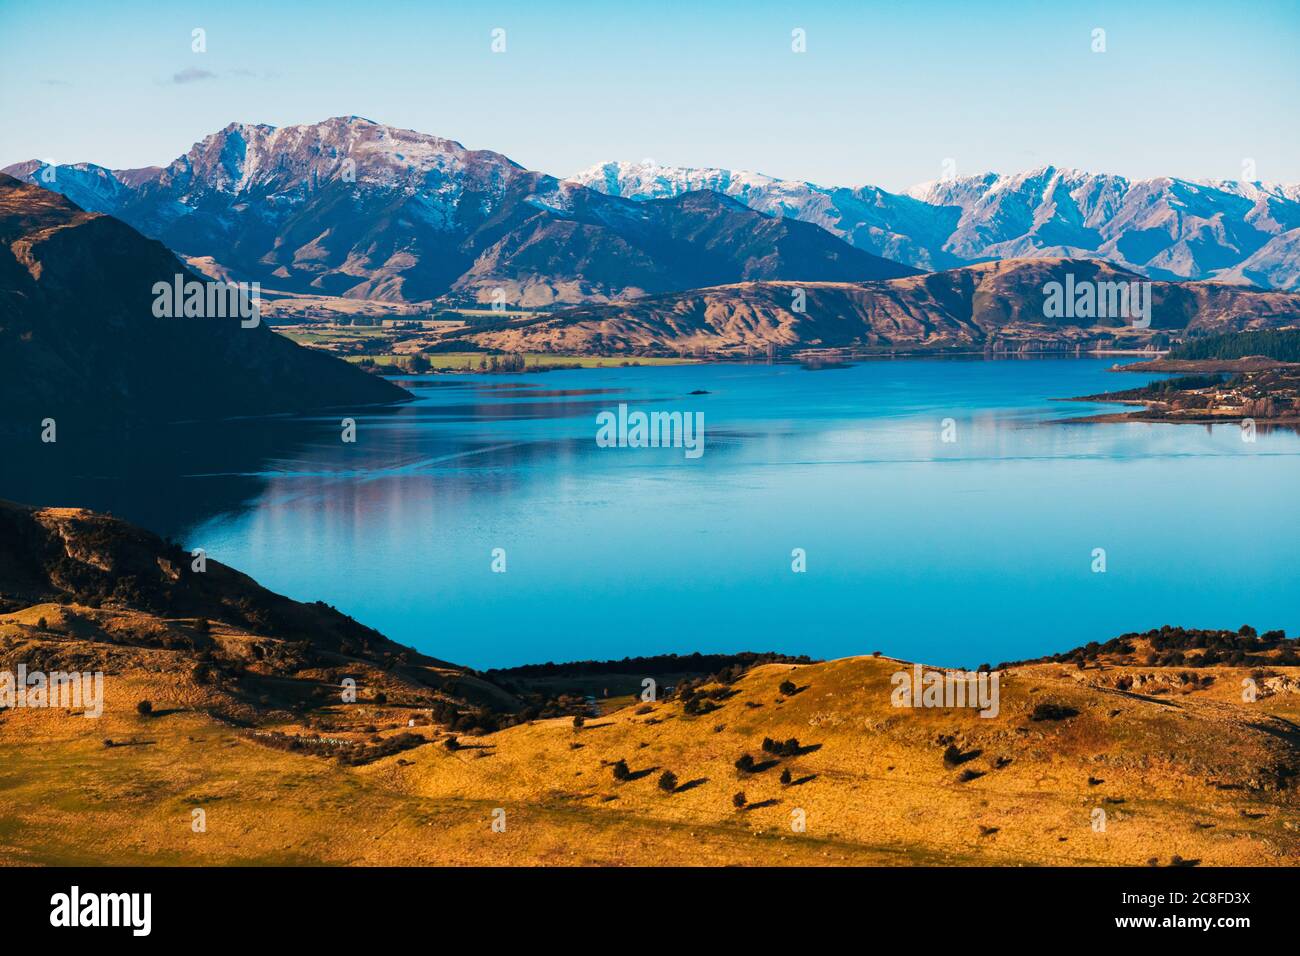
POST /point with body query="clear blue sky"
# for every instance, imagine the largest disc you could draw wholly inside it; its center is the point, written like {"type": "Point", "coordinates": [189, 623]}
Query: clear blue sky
{"type": "Point", "coordinates": [883, 94]}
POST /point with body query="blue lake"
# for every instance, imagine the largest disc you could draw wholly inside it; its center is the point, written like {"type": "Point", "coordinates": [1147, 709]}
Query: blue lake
{"type": "Point", "coordinates": [958, 553]}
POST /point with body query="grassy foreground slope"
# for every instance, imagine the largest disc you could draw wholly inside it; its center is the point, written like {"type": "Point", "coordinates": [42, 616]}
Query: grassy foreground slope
{"type": "Point", "coordinates": [1193, 776]}
{"type": "Point", "coordinates": [248, 726]}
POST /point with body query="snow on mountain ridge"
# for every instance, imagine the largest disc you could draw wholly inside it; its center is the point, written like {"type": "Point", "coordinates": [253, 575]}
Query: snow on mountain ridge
{"type": "Point", "coordinates": [244, 157]}
{"type": "Point", "coordinates": [1165, 227]}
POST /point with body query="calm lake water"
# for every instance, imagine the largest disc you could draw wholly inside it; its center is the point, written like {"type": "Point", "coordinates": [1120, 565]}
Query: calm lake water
{"type": "Point", "coordinates": [954, 553]}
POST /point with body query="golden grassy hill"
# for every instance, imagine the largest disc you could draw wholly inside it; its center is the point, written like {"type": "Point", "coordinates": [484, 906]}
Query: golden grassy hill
{"type": "Point", "coordinates": [249, 726]}
{"type": "Point", "coordinates": [1197, 774]}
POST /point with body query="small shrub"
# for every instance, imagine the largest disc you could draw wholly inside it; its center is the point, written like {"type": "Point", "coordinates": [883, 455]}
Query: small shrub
{"type": "Point", "coordinates": [144, 708]}
{"type": "Point", "coordinates": [1050, 711]}
{"type": "Point", "coordinates": [739, 801]}
{"type": "Point", "coordinates": [451, 743]}
{"type": "Point", "coordinates": [788, 688]}
{"type": "Point", "coordinates": [668, 781]}
{"type": "Point", "coordinates": [578, 721]}
{"type": "Point", "coordinates": [381, 698]}
{"type": "Point", "coordinates": [745, 763]}
{"type": "Point", "coordinates": [786, 777]}
{"type": "Point", "coordinates": [621, 771]}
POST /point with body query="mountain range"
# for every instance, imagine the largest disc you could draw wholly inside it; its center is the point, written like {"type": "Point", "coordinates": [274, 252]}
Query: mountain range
{"type": "Point", "coordinates": [1164, 228]}
{"type": "Point", "coordinates": [349, 207]}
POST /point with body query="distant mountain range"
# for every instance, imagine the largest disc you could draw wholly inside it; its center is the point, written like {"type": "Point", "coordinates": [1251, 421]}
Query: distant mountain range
{"type": "Point", "coordinates": [1161, 228]}
{"type": "Point", "coordinates": [994, 306]}
{"type": "Point", "coordinates": [79, 339]}
{"type": "Point", "coordinates": [351, 208]}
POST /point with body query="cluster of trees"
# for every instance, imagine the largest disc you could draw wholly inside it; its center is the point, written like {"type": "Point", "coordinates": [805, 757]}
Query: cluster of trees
{"type": "Point", "coordinates": [1266, 407]}
{"type": "Point", "coordinates": [542, 706]}
{"type": "Point", "coordinates": [697, 700]}
{"type": "Point", "coordinates": [1280, 344]}
{"type": "Point", "coordinates": [1170, 646]}
{"type": "Point", "coordinates": [475, 721]}
{"type": "Point", "coordinates": [510, 362]}
{"type": "Point", "coordinates": [415, 363]}
{"type": "Point", "coordinates": [657, 665]}
{"type": "Point", "coordinates": [1185, 383]}
{"type": "Point", "coordinates": [782, 748]}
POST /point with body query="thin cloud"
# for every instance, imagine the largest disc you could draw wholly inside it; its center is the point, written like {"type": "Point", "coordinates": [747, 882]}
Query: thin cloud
{"type": "Point", "coordinates": [193, 74]}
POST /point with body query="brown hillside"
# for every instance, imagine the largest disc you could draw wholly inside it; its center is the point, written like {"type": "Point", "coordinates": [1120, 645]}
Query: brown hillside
{"type": "Point", "coordinates": [991, 305]}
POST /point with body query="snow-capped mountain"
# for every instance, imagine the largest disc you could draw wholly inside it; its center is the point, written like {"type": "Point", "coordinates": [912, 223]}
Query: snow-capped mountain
{"type": "Point", "coordinates": [896, 227]}
{"type": "Point", "coordinates": [1163, 228]}
{"type": "Point", "coordinates": [351, 207]}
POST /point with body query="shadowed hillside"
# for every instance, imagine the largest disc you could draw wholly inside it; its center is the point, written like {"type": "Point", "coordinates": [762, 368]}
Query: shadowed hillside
{"type": "Point", "coordinates": [118, 598]}
{"type": "Point", "coordinates": [79, 339]}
